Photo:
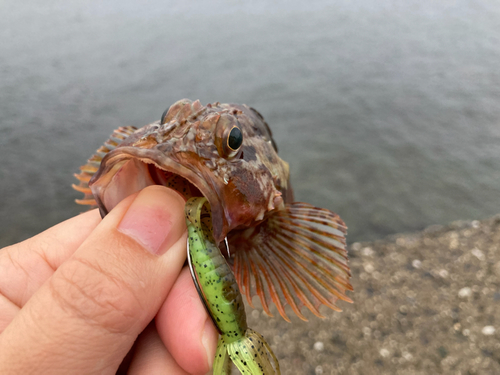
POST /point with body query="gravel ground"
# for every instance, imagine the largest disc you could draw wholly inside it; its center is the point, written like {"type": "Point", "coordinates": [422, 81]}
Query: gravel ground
{"type": "Point", "coordinates": [424, 303]}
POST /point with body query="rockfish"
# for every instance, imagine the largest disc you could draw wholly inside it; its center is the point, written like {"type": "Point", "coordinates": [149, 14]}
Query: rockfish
{"type": "Point", "coordinates": [284, 252]}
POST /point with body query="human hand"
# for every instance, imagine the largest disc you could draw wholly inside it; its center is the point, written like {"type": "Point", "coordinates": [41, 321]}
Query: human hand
{"type": "Point", "coordinates": [75, 298]}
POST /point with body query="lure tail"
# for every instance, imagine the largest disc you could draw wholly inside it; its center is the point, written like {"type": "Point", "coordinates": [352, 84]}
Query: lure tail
{"type": "Point", "coordinates": [251, 354]}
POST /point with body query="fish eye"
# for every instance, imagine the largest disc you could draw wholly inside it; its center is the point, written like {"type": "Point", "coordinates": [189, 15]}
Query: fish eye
{"type": "Point", "coordinates": [228, 136]}
{"type": "Point", "coordinates": [235, 138]}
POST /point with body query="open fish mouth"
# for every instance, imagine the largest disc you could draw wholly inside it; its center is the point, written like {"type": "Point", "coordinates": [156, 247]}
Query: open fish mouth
{"type": "Point", "coordinates": [127, 170]}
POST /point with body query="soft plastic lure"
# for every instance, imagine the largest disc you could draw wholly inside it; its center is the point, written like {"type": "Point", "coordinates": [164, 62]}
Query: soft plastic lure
{"type": "Point", "coordinates": [219, 292]}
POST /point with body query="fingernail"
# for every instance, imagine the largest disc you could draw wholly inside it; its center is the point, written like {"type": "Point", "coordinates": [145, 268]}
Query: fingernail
{"type": "Point", "coordinates": [155, 219]}
{"type": "Point", "coordinates": [209, 340]}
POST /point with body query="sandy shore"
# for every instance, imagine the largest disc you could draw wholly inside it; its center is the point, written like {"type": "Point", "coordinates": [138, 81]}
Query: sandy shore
{"type": "Point", "coordinates": [425, 303]}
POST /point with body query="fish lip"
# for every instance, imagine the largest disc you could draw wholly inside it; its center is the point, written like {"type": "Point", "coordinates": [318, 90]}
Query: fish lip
{"type": "Point", "coordinates": [115, 159]}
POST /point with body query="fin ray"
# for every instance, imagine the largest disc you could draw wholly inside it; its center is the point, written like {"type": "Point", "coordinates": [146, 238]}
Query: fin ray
{"type": "Point", "coordinates": [94, 162]}
{"type": "Point", "coordinates": [283, 266]}
{"type": "Point", "coordinates": [321, 278]}
{"type": "Point", "coordinates": [302, 276]}
{"type": "Point", "coordinates": [297, 257]}
{"type": "Point", "coordinates": [271, 268]}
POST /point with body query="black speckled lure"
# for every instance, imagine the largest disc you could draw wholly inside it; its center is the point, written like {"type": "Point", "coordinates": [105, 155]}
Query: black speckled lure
{"type": "Point", "coordinates": [219, 292]}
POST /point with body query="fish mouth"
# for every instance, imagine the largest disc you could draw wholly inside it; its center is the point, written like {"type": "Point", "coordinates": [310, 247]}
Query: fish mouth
{"type": "Point", "coordinates": [127, 170]}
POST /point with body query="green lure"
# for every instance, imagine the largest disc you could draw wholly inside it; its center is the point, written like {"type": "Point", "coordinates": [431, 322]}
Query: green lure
{"type": "Point", "coordinates": [219, 292]}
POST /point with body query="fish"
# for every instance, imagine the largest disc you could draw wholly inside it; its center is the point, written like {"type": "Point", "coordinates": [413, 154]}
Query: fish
{"type": "Point", "coordinates": [219, 292]}
{"type": "Point", "coordinates": [286, 253]}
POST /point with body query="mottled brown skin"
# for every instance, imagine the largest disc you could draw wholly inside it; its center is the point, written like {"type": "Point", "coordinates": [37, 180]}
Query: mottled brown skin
{"type": "Point", "coordinates": [284, 252]}
{"type": "Point", "coordinates": [190, 142]}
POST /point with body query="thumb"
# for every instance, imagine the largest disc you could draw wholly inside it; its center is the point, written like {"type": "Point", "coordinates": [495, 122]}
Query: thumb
{"type": "Point", "coordinates": [86, 317]}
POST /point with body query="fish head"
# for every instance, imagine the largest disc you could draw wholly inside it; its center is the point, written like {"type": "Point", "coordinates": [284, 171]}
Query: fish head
{"type": "Point", "coordinates": [224, 152]}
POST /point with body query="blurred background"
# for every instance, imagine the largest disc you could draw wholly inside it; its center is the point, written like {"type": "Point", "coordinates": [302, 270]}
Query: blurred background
{"type": "Point", "coordinates": [388, 112]}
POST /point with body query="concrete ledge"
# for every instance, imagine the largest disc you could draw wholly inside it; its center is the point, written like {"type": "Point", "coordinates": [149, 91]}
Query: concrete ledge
{"type": "Point", "coordinates": [425, 303]}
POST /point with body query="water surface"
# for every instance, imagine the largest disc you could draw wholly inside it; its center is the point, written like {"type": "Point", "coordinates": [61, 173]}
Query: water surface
{"type": "Point", "coordinates": [388, 112]}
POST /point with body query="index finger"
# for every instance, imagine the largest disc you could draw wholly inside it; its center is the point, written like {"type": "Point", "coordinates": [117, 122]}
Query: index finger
{"type": "Point", "coordinates": [27, 265]}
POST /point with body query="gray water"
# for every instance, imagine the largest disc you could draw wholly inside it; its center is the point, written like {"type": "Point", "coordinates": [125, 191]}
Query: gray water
{"type": "Point", "coordinates": [387, 111]}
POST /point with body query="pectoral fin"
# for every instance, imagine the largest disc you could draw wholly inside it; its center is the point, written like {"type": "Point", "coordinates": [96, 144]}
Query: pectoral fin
{"type": "Point", "coordinates": [296, 257]}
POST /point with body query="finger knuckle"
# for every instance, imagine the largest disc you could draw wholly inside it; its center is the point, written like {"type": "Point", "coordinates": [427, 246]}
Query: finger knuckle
{"type": "Point", "coordinates": [95, 295]}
